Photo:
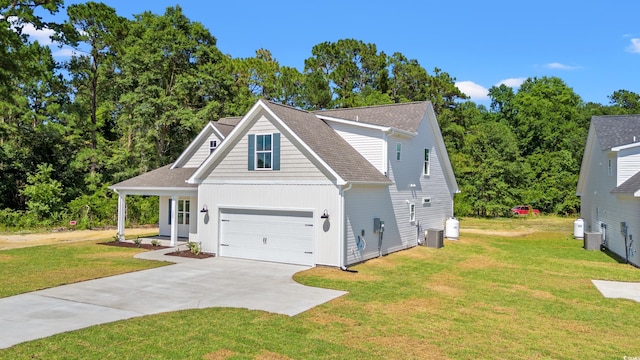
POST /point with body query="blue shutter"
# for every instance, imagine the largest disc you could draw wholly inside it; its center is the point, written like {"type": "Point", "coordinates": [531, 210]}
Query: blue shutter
{"type": "Point", "coordinates": [170, 207]}
{"type": "Point", "coordinates": [276, 152]}
{"type": "Point", "coordinates": [252, 152]}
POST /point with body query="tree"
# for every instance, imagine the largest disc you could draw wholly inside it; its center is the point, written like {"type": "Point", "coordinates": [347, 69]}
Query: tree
{"type": "Point", "coordinates": [625, 101]}
{"type": "Point", "coordinates": [44, 194]}
{"type": "Point", "coordinates": [97, 27]}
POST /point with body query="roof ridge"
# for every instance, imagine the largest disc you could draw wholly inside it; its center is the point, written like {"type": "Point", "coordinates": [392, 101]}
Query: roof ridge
{"type": "Point", "coordinates": [373, 106]}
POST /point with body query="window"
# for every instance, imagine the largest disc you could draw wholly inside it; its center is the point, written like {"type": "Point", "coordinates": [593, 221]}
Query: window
{"type": "Point", "coordinates": [426, 162]}
{"type": "Point", "coordinates": [213, 144]}
{"type": "Point", "coordinates": [183, 212]}
{"type": "Point", "coordinates": [412, 212]}
{"type": "Point", "coordinates": [398, 150]}
{"type": "Point", "coordinates": [264, 152]}
{"type": "Point", "coordinates": [610, 169]}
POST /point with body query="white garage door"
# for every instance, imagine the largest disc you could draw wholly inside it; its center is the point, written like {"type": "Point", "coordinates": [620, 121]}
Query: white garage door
{"type": "Point", "coordinates": [279, 236]}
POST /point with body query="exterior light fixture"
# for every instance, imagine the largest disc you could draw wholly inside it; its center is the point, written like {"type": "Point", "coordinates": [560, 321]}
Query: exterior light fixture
{"type": "Point", "coordinates": [325, 215]}
{"type": "Point", "coordinates": [204, 209]}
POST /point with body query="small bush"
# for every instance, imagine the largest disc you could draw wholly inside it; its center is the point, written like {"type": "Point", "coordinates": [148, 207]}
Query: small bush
{"type": "Point", "coordinates": [155, 242]}
{"type": "Point", "coordinates": [137, 241]}
{"type": "Point", "coordinates": [194, 247]}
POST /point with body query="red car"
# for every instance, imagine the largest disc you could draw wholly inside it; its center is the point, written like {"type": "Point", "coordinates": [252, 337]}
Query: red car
{"type": "Point", "coordinates": [524, 210]}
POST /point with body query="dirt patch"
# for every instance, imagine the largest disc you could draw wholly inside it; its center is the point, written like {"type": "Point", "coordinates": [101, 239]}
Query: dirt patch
{"type": "Point", "coordinates": [27, 240]}
{"type": "Point", "coordinates": [221, 354]}
{"type": "Point", "coordinates": [264, 355]}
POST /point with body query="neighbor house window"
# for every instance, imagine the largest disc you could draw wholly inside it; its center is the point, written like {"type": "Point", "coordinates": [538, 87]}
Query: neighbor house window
{"type": "Point", "coordinates": [213, 144]}
{"type": "Point", "coordinates": [398, 150]}
{"type": "Point", "coordinates": [183, 212]}
{"type": "Point", "coordinates": [427, 164]}
{"type": "Point", "coordinates": [610, 168]}
{"type": "Point", "coordinates": [264, 152]}
{"type": "Point", "coordinates": [412, 212]}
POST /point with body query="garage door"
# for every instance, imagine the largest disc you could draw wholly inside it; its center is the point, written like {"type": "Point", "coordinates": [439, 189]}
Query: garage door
{"type": "Point", "coordinates": [279, 236]}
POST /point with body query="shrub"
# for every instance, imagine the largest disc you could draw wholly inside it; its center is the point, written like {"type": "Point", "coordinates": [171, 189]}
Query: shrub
{"type": "Point", "coordinates": [194, 247]}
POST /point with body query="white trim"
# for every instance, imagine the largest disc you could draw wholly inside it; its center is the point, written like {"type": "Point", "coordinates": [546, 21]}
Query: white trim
{"type": "Point", "coordinates": [255, 152]}
{"type": "Point", "coordinates": [387, 129]}
{"type": "Point", "coordinates": [267, 182]}
{"type": "Point", "coordinates": [442, 150]}
{"type": "Point", "coordinates": [220, 208]}
{"type": "Point", "coordinates": [625, 147]}
{"type": "Point", "coordinates": [202, 136]}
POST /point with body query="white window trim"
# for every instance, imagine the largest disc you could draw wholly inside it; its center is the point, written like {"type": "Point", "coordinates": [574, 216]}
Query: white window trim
{"type": "Point", "coordinates": [256, 152]}
{"type": "Point", "coordinates": [412, 212]}
{"type": "Point", "coordinates": [398, 151]}
{"type": "Point", "coordinates": [426, 165]}
{"type": "Point", "coordinates": [213, 144]}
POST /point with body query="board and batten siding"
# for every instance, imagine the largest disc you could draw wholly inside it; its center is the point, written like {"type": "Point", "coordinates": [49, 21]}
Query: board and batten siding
{"type": "Point", "coordinates": [294, 165]}
{"type": "Point", "coordinates": [411, 185]}
{"type": "Point", "coordinates": [201, 154]}
{"type": "Point", "coordinates": [315, 198]}
{"type": "Point", "coordinates": [368, 142]}
{"type": "Point", "coordinates": [628, 164]}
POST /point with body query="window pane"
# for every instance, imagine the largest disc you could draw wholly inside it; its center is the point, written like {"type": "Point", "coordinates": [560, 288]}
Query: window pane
{"type": "Point", "coordinates": [187, 204]}
{"type": "Point", "coordinates": [186, 218]}
{"type": "Point", "coordinates": [180, 218]}
{"type": "Point", "coordinates": [267, 142]}
{"type": "Point", "coordinates": [180, 205]}
{"type": "Point", "coordinates": [426, 154]}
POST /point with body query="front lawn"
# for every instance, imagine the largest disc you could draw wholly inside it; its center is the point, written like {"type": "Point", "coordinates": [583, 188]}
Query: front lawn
{"type": "Point", "coordinates": [484, 296]}
{"type": "Point", "coordinates": [33, 268]}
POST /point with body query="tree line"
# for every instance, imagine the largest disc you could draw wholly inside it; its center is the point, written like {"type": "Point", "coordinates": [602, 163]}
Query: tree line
{"type": "Point", "coordinates": [136, 91]}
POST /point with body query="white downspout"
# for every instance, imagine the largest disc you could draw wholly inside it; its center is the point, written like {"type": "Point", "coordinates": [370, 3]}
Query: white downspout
{"type": "Point", "coordinates": [343, 234]}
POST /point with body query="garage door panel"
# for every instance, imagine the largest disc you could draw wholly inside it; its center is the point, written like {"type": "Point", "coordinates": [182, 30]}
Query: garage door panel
{"type": "Point", "coordinates": [267, 235]}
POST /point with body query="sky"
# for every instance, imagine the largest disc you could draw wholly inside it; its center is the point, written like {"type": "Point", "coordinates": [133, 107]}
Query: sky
{"type": "Point", "coordinates": [593, 46]}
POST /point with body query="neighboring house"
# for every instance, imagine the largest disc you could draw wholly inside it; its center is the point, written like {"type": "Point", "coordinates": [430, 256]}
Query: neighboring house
{"type": "Point", "coordinates": [609, 183]}
{"type": "Point", "coordinates": [300, 187]}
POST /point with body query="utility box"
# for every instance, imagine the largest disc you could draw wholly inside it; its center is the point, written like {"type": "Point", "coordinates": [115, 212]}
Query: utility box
{"type": "Point", "coordinates": [435, 238]}
{"type": "Point", "coordinates": [592, 240]}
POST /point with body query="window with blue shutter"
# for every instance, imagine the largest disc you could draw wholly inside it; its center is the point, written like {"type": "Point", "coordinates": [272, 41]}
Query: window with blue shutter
{"type": "Point", "coordinates": [264, 152]}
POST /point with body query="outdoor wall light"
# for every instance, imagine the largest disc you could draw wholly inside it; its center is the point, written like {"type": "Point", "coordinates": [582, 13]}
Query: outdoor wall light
{"type": "Point", "coordinates": [204, 209]}
{"type": "Point", "coordinates": [325, 215]}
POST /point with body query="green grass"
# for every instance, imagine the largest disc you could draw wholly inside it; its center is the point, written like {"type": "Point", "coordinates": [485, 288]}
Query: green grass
{"type": "Point", "coordinates": [483, 296]}
{"type": "Point", "coordinates": [33, 268]}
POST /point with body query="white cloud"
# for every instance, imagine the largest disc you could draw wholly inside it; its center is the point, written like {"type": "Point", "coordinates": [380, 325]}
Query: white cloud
{"type": "Point", "coordinates": [560, 66]}
{"type": "Point", "coordinates": [473, 90]}
{"type": "Point", "coordinates": [43, 36]}
{"type": "Point", "coordinates": [65, 52]}
{"type": "Point", "coordinates": [635, 46]}
{"type": "Point", "coordinates": [511, 82]}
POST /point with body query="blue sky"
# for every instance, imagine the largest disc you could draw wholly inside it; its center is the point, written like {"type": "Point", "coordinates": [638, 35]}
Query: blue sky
{"type": "Point", "coordinates": [593, 46]}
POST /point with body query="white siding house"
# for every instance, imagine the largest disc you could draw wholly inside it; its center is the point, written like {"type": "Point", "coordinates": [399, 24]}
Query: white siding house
{"type": "Point", "coordinates": [293, 186]}
{"type": "Point", "coordinates": [609, 184]}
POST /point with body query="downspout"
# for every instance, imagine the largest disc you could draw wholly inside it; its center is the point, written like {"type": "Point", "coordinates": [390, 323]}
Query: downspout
{"type": "Point", "coordinates": [343, 234]}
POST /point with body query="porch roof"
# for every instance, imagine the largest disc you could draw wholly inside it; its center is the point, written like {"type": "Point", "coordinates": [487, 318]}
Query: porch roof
{"type": "Point", "coordinates": [161, 179]}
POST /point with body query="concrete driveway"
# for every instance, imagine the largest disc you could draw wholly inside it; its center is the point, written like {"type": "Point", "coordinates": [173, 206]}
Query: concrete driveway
{"type": "Point", "coordinates": [191, 284]}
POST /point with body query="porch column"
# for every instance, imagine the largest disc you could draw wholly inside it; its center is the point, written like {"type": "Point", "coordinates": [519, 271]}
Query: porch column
{"type": "Point", "coordinates": [122, 212]}
{"type": "Point", "coordinates": [174, 219]}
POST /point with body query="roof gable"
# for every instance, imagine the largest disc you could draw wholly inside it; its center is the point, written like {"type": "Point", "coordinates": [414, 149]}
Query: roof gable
{"type": "Point", "coordinates": [616, 130]}
{"type": "Point", "coordinates": [316, 139]}
{"type": "Point", "coordinates": [631, 186]}
{"type": "Point", "coordinates": [403, 116]}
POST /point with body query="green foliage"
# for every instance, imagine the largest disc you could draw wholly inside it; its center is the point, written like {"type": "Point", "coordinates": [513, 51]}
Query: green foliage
{"type": "Point", "coordinates": [194, 247]}
{"type": "Point", "coordinates": [44, 193]}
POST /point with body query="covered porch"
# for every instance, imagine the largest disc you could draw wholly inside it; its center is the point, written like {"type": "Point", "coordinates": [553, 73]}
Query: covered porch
{"type": "Point", "coordinates": [178, 201]}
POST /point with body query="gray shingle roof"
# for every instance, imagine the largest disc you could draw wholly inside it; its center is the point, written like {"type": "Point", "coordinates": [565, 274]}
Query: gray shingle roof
{"type": "Point", "coordinates": [405, 116]}
{"type": "Point", "coordinates": [163, 177]}
{"type": "Point", "coordinates": [225, 125]}
{"type": "Point", "coordinates": [616, 130]}
{"type": "Point", "coordinates": [630, 186]}
{"type": "Point", "coordinates": [328, 145]}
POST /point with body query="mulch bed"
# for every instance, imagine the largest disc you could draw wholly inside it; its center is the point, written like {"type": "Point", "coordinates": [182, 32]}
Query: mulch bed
{"type": "Point", "coordinates": [181, 253]}
{"type": "Point", "coordinates": [189, 254]}
{"type": "Point", "coordinates": [132, 245]}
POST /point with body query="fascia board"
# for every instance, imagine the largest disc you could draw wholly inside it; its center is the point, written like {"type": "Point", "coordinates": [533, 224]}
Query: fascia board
{"type": "Point", "coordinates": [204, 133]}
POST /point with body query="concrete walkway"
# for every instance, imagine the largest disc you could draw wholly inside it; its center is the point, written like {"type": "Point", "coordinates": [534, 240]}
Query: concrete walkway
{"type": "Point", "coordinates": [191, 284]}
{"type": "Point", "coordinates": [618, 289]}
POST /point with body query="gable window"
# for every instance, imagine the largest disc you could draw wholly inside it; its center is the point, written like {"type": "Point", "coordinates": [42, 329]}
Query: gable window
{"type": "Point", "coordinates": [213, 144]}
{"type": "Point", "coordinates": [398, 150]}
{"type": "Point", "coordinates": [610, 168]}
{"type": "Point", "coordinates": [427, 164]}
{"type": "Point", "coordinates": [264, 152]}
{"type": "Point", "coordinates": [412, 212]}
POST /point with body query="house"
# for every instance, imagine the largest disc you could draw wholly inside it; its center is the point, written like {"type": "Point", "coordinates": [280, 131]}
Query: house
{"type": "Point", "coordinates": [332, 187]}
{"type": "Point", "coordinates": [609, 183]}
